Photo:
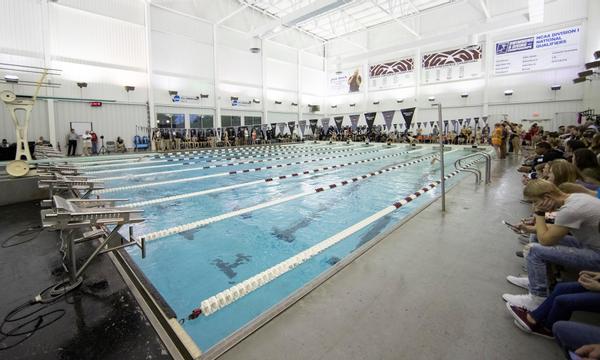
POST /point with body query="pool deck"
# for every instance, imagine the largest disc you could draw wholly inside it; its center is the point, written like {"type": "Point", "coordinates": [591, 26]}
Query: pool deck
{"type": "Point", "coordinates": [430, 290]}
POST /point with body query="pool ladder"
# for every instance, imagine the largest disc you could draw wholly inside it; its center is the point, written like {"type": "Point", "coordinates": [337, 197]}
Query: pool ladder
{"type": "Point", "coordinates": [459, 165]}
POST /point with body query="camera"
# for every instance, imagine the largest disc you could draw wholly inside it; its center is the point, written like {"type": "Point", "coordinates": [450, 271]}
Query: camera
{"type": "Point", "coordinates": [101, 136]}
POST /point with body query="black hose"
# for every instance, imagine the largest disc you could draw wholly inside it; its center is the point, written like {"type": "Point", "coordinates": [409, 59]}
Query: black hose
{"type": "Point", "coordinates": [28, 234]}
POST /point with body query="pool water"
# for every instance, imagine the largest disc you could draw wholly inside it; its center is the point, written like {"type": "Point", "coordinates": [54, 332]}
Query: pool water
{"type": "Point", "coordinates": [191, 266]}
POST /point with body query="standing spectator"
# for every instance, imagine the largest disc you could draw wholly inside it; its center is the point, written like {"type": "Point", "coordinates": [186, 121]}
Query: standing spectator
{"type": "Point", "coordinates": [94, 142]}
{"type": "Point", "coordinates": [497, 140]}
{"type": "Point", "coordinates": [72, 144]}
{"type": "Point", "coordinates": [87, 143]}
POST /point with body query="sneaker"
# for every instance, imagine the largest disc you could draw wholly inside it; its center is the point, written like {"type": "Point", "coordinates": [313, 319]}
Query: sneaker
{"type": "Point", "coordinates": [520, 281]}
{"type": "Point", "coordinates": [539, 331]}
{"type": "Point", "coordinates": [520, 315]}
{"type": "Point", "coordinates": [528, 301]}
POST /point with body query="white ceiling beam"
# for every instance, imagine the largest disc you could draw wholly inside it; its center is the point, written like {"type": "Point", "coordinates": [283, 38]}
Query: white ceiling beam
{"type": "Point", "coordinates": [484, 8]}
{"type": "Point", "coordinates": [312, 10]}
{"type": "Point", "coordinates": [232, 14]}
{"type": "Point", "coordinates": [402, 24]}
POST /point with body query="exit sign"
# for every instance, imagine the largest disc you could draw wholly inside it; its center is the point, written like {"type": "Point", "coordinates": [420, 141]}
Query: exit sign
{"type": "Point", "coordinates": [96, 103]}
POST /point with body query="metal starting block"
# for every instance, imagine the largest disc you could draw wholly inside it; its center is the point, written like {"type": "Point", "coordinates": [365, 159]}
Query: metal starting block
{"type": "Point", "coordinates": [79, 186]}
{"type": "Point", "coordinates": [92, 218]}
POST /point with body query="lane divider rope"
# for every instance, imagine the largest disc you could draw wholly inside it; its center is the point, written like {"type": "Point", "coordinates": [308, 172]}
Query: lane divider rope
{"type": "Point", "coordinates": [226, 297]}
{"type": "Point", "coordinates": [150, 164]}
{"type": "Point", "coordinates": [265, 180]}
{"type": "Point", "coordinates": [175, 181]}
{"type": "Point", "coordinates": [201, 223]}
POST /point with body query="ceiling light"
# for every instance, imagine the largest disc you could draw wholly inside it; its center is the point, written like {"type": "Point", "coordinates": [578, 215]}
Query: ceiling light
{"type": "Point", "coordinates": [431, 98]}
{"type": "Point", "coordinates": [129, 88]}
{"type": "Point", "coordinates": [277, 102]}
{"type": "Point", "coordinates": [376, 102]}
{"type": "Point", "coordinates": [203, 96]}
{"type": "Point", "coordinates": [82, 84]}
{"type": "Point", "coordinates": [555, 87]}
{"type": "Point", "coordinates": [586, 73]}
{"type": "Point", "coordinates": [399, 101]}
{"type": "Point", "coordinates": [464, 95]}
{"type": "Point", "coordinates": [172, 92]}
{"type": "Point", "coordinates": [256, 101]}
{"type": "Point", "coordinates": [579, 80]}
{"type": "Point", "coordinates": [508, 92]}
{"type": "Point", "coordinates": [255, 50]}
{"type": "Point", "coordinates": [294, 104]}
{"type": "Point", "coordinates": [352, 105]}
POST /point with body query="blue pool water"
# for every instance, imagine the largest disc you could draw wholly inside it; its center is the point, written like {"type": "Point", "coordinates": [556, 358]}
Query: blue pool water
{"type": "Point", "coordinates": [189, 267]}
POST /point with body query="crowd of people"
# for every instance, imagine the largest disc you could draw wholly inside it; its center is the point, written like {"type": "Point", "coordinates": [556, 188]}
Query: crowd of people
{"type": "Point", "coordinates": [561, 239]}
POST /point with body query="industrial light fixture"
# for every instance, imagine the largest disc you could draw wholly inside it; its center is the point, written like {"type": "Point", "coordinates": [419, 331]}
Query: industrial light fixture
{"type": "Point", "coordinates": [256, 101]}
{"type": "Point", "coordinates": [11, 78]}
{"type": "Point", "coordinates": [277, 102]}
{"type": "Point", "coordinates": [555, 87]}
{"type": "Point", "coordinates": [82, 84]}
{"type": "Point", "coordinates": [234, 98]}
{"type": "Point", "coordinates": [203, 96]}
{"type": "Point", "coordinates": [129, 88]}
{"type": "Point", "coordinates": [376, 102]}
{"type": "Point", "coordinates": [352, 105]}
{"type": "Point", "coordinates": [579, 80]}
{"type": "Point", "coordinates": [508, 92]}
{"type": "Point", "coordinates": [399, 101]}
{"type": "Point", "coordinates": [464, 95]}
{"type": "Point", "coordinates": [294, 104]}
{"type": "Point", "coordinates": [586, 73]}
{"type": "Point", "coordinates": [431, 98]}
{"type": "Point", "coordinates": [172, 92]}
{"type": "Point", "coordinates": [255, 50]}
{"type": "Point", "coordinates": [333, 106]}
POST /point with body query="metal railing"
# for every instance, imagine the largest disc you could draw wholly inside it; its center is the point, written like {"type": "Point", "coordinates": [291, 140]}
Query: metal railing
{"type": "Point", "coordinates": [458, 164]}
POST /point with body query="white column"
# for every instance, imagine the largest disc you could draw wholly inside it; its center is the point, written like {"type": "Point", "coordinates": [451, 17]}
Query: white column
{"type": "Point", "coordinates": [48, 64]}
{"type": "Point", "coordinates": [149, 69]}
{"type": "Point", "coordinates": [263, 67]}
{"type": "Point", "coordinates": [217, 96]}
{"type": "Point", "coordinates": [488, 58]}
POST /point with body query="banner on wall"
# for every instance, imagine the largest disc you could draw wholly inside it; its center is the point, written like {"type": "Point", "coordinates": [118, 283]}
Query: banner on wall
{"type": "Point", "coordinates": [460, 122]}
{"type": "Point", "coordinates": [388, 116]}
{"type": "Point", "coordinates": [547, 50]}
{"type": "Point", "coordinates": [370, 119]}
{"type": "Point", "coordinates": [354, 121]}
{"type": "Point", "coordinates": [407, 114]}
{"type": "Point", "coordinates": [338, 122]}
{"type": "Point", "coordinates": [449, 65]}
{"type": "Point", "coordinates": [313, 125]}
{"type": "Point", "coordinates": [281, 128]}
{"type": "Point", "coordinates": [302, 126]}
{"type": "Point", "coordinates": [484, 119]}
{"type": "Point", "coordinates": [291, 126]}
{"type": "Point", "coordinates": [325, 123]}
{"type": "Point", "coordinates": [418, 125]}
{"type": "Point", "coordinates": [392, 74]}
{"type": "Point", "coordinates": [345, 81]}
{"type": "Point", "coordinates": [431, 123]}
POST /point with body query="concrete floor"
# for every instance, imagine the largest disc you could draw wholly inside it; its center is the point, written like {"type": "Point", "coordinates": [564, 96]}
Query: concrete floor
{"type": "Point", "coordinates": [431, 290]}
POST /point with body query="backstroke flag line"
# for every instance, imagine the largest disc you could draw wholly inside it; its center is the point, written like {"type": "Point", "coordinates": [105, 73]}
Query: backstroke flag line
{"type": "Point", "coordinates": [354, 121]}
{"type": "Point", "coordinates": [388, 116]}
{"type": "Point", "coordinates": [407, 114]}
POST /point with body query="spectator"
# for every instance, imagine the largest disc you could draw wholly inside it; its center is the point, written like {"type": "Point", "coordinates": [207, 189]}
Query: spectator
{"type": "Point", "coordinates": [121, 145]}
{"type": "Point", "coordinates": [587, 163]}
{"type": "Point", "coordinates": [4, 144]}
{"type": "Point", "coordinates": [545, 153]}
{"type": "Point", "coordinates": [72, 144]}
{"type": "Point", "coordinates": [94, 142]}
{"type": "Point", "coordinates": [87, 143]}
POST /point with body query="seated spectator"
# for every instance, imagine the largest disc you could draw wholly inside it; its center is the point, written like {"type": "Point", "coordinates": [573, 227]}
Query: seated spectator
{"type": "Point", "coordinates": [544, 153]}
{"type": "Point", "coordinates": [582, 339]}
{"type": "Point", "coordinates": [571, 188]}
{"type": "Point", "coordinates": [4, 144]}
{"type": "Point", "coordinates": [567, 297]}
{"type": "Point", "coordinates": [578, 214]}
{"type": "Point", "coordinates": [121, 145]}
{"type": "Point", "coordinates": [587, 163]}
{"type": "Point", "coordinates": [571, 146]}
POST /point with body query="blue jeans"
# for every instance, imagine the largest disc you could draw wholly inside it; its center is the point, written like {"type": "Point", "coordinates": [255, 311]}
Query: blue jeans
{"type": "Point", "coordinates": [568, 253]}
{"type": "Point", "coordinates": [566, 298]}
{"type": "Point", "coordinates": [571, 335]}
{"type": "Point", "coordinates": [94, 147]}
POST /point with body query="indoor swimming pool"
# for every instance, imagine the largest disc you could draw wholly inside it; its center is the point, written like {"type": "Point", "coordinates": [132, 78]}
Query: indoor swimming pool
{"type": "Point", "coordinates": [230, 233]}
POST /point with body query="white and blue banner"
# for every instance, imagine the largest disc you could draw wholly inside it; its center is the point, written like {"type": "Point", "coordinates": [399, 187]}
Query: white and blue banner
{"type": "Point", "coordinates": [548, 50]}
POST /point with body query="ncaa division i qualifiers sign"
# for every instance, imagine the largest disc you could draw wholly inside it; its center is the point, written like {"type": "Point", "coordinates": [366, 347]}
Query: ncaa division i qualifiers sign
{"type": "Point", "coordinates": [548, 50]}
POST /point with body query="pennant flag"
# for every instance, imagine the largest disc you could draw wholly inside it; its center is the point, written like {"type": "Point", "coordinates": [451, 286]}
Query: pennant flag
{"type": "Point", "coordinates": [453, 124]}
{"type": "Point", "coordinates": [338, 122]}
{"type": "Point", "coordinates": [388, 116]}
{"type": "Point", "coordinates": [325, 123]}
{"type": "Point", "coordinates": [273, 128]}
{"type": "Point", "coordinates": [431, 123]}
{"type": "Point", "coordinates": [281, 128]}
{"type": "Point", "coordinates": [445, 126]}
{"type": "Point", "coordinates": [302, 126]}
{"type": "Point", "coordinates": [412, 126]}
{"type": "Point", "coordinates": [407, 114]}
{"type": "Point", "coordinates": [370, 118]}
{"type": "Point", "coordinates": [460, 121]}
{"type": "Point", "coordinates": [313, 125]}
{"type": "Point", "coordinates": [476, 121]}
{"type": "Point", "coordinates": [418, 125]}
{"type": "Point", "coordinates": [354, 121]}
{"type": "Point", "coordinates": [468, 121]}
{"type": "Point", "coordinates": [291, 126]}
{"type": "Point", "coordinates": [484, 118]}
